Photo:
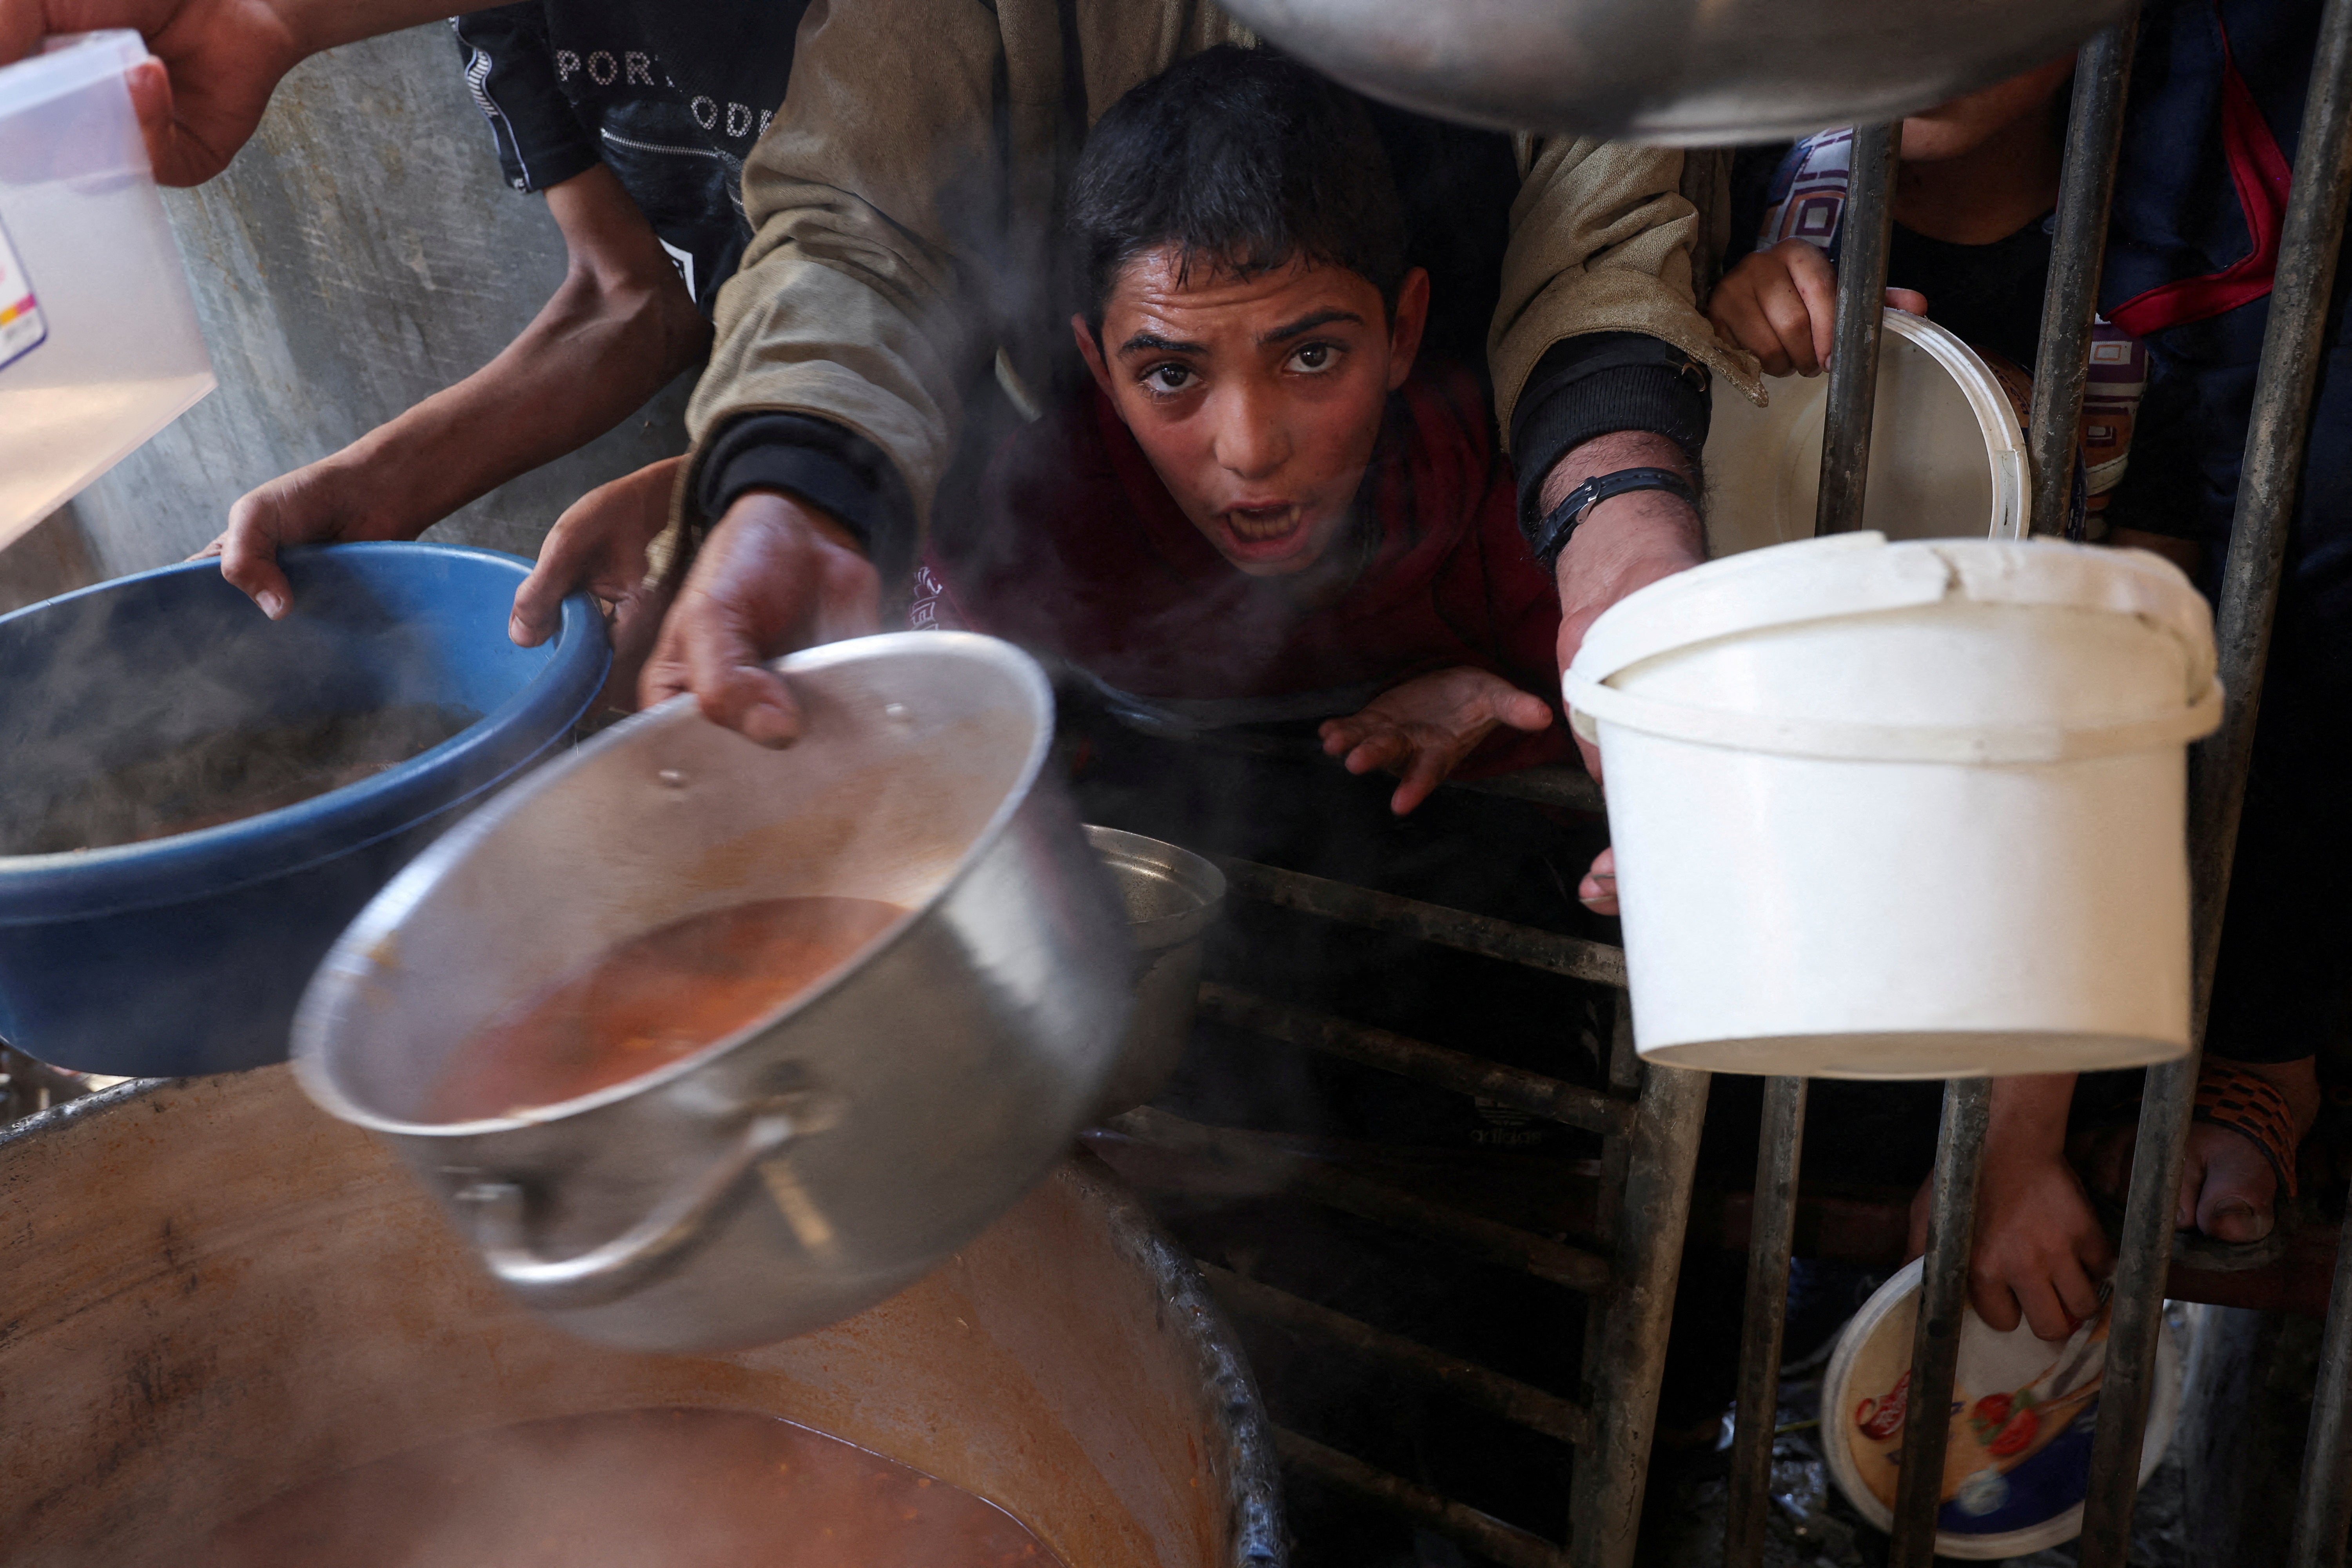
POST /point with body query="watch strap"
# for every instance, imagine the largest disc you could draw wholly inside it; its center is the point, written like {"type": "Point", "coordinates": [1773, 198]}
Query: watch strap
{"type": "Point", "coordinates": [1551, 535]}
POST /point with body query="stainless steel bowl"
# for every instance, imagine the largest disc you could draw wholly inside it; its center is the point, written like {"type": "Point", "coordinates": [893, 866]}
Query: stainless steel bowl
{"type": "Point", "coordinates": [1675, 72]}
{"type": "Point", "coordinates": [1172, 897]}
{"type": "Point", "coordinates": [809, 1166]}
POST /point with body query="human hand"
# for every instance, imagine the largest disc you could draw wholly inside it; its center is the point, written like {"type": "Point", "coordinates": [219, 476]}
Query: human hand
{"type": "Point", "coordinates": [775, 575]}
{"type": "Point", "coordinates": [1780, 305]}
{"type": "Point", "coordinates": [339, 500]}
{"type": "Point", "coordinates": [1422, 729]}
{"type": "Point", "coordinates": [2039, 1249]}
{"type": "Point", "coordinates": [1598, 891]}
{"type": "Point", "coordinates": [216, 64]}
{"type": "Point", "coordinates": [603, 543]}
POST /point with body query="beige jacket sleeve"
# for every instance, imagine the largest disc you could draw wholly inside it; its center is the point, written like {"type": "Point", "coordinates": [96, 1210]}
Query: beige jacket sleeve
{"type": "Point", "coordinates": [1602, 240]}
{"type": "Point", "coordinates": [872, 212]}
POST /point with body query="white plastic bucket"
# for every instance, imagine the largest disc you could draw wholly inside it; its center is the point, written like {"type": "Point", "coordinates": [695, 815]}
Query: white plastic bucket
{"type": "Point", "coordinates": [1946, 456]}
{"type": "Point", "coordinates": [98, 345]}
{"type": "Point", "coordinates": [2017, 1464]}
{"type": "Point", "coordinates": [1903, 810]}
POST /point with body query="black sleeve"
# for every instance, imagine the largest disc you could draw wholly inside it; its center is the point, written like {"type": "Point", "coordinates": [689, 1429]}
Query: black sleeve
{"type": "Point", "coordinates": [824, 464]}
{"type": "Point", "coordinates": [1594, 385]}
{"type": "Point", "coordinates": [510, 71]}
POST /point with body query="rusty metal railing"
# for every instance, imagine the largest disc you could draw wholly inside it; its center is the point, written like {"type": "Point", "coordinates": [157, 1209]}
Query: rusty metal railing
{"type": "Point", "coordinates": [2274, 445]}
{"type": "Point", "coordinates": [1648, 1121]}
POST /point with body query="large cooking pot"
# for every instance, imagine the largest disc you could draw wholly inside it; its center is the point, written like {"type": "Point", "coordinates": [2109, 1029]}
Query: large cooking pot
{"type": "Point", "coordinates": [217, 1293]}
{"type": "Point", "coordinates": [830, 1154]}
{"type": "Point", "coordinates": [1684, 73]}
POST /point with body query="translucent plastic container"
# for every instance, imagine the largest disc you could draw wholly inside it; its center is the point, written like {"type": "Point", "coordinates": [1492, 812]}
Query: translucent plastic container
{"type": "Point", "coordinates": [98, 345]}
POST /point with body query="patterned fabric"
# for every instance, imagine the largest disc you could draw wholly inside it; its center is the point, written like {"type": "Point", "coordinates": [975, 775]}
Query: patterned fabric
{"type": "Point", "coordinates": [1808, 191]}
{"type": "Point", "coordinates": [2247, 1104]}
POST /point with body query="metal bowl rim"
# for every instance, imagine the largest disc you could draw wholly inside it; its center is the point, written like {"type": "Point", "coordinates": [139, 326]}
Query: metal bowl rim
{"type": "Point", "coordinates": [346, 965]}
{"type": "Point", "coordinates": [1191, 870]}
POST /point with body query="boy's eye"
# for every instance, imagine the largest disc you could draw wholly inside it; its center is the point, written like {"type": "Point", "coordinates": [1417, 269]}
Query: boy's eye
{"type": "Point", "coordinates": [1168, 377]}
{"type": "Point", "coordinates": [1313, 357]}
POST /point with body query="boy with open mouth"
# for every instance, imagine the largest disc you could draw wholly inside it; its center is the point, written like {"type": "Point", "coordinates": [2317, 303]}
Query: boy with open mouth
{"type": "Point", "coordinates": [1262, 509]}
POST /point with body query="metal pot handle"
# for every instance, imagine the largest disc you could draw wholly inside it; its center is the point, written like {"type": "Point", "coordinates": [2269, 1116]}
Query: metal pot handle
{"type": "Point", "coordinates": [641, 1254]}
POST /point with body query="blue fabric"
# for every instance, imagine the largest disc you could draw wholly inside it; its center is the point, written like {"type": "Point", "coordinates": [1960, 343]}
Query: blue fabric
{"type": "Point", "coordinates": [2284, 987]}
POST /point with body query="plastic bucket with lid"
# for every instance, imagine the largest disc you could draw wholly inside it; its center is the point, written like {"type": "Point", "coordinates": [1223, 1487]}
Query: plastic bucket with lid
{"type": "Point", "coordinates": [1903, 810]}
{"type": "Point", "coordinates": [1947, 457]}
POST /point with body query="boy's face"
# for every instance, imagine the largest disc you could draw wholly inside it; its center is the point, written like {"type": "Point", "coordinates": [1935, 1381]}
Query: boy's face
{"type": "Point", "coordinates": [1258, 401]}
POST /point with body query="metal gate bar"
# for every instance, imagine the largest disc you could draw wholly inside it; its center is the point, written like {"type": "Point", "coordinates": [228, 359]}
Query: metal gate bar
{"type": "Point", "coordinates": [1555, 1100]}
{"type": "Point", "coordinates": [1935, 1336]}
{"type": "Point", "coordinates": [2283, 386]}
{"type": "Point", "coordinates": [1530, 946]}
{"type": "Point", "coordinates": [1482, 1533]}
{"type": "Point", "coordinates": [1868, 234]}
{"type": "Point", "coordinates": [1521, 1404]}
{"type": "Point", "coordinates": [1772, 1232]}
{"type": "Point", "coordinates": [2323, 1514]}
{"type": "Point", "coordinates": [1261, 1159]}
{"type": "Point", "coordinates": [2062, 365]}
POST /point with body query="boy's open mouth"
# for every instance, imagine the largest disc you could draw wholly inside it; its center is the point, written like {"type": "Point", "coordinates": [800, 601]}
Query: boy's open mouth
{"type": "Point", "coordinates": [1257, 528]}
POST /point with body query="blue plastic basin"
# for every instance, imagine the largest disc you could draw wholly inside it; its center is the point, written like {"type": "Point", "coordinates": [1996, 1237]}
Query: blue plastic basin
{"type": "Point", "coordinates": [187, 954]}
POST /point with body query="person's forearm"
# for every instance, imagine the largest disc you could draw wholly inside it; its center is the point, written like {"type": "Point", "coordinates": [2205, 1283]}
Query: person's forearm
{"type": "Point", "coordinates": [592, 358]}
{"type": "Point", "coordinates": [2028, 1114]}
{"type": "Point", "coordinates": [1626, 542]}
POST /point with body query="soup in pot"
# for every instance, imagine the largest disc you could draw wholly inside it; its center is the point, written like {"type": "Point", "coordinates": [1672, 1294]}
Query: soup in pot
{"type": "Point", "coordinates": [636, 1489]}
{"type": "Point", "coordinates": [653, 1000]}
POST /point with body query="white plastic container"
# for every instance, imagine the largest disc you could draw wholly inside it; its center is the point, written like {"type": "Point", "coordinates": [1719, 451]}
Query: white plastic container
{"type": "Point", "coordinates": [1947, 456]}
{"type": "Point", "coordinates": [2017, 1464]}
{"type": "Point", "coordinates": [98, 345]}
{"type": "Point", "coordinates": [1909, 810]}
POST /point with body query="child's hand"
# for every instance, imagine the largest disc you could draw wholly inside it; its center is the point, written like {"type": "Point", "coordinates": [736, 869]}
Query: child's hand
{"type": "Point", "coordinates": [2039, 1250]}
{"type": "Point", "coordinates": [1423, 729]}
{"type": "Point", "coordinates": [1780, 305]}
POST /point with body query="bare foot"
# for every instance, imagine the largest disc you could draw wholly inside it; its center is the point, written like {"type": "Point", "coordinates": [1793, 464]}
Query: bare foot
{"type": "Point", "coordinates": [2228, 1189]}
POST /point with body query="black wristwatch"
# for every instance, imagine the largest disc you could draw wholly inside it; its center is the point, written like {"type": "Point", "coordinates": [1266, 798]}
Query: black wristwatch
{"type": "Point", "coordinates": [1551, 534]}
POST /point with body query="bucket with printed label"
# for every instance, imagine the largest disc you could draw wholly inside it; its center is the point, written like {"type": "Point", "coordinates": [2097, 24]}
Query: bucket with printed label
{"type": "Point", "coordinates": [2017, 1462]}
{"type": "Point", "coordinates": [99, 343]}
{"type": "Point", "coordinates": [1903, 810]}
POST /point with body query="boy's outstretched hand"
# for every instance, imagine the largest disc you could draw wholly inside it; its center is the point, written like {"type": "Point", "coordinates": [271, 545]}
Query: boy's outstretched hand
{"type": "Point", "coordinates": [604, 542]}
{"type": "Point", "coordinates": [1780, 305]}
{"type": "Point", "coordinates": [2039, 1253]}
{"type": "Point", "coordinates": [1423, 729]}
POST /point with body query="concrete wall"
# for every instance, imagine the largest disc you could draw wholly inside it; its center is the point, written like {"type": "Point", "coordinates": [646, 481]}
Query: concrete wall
{"type": "Point", "coordinates": [360, 253]}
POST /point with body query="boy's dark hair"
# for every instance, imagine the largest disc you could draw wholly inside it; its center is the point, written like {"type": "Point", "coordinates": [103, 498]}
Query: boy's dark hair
{"type": "Point", "coordinates": [1246, 161]}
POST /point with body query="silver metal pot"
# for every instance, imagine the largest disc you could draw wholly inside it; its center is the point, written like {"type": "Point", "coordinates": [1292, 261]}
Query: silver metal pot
{"type": "Point", "coordinates": [807, 1167]}
{"type": "Point", "coordinates": [1675, 72]}
{"type": "Point", "coordinates": [1172, 897]}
